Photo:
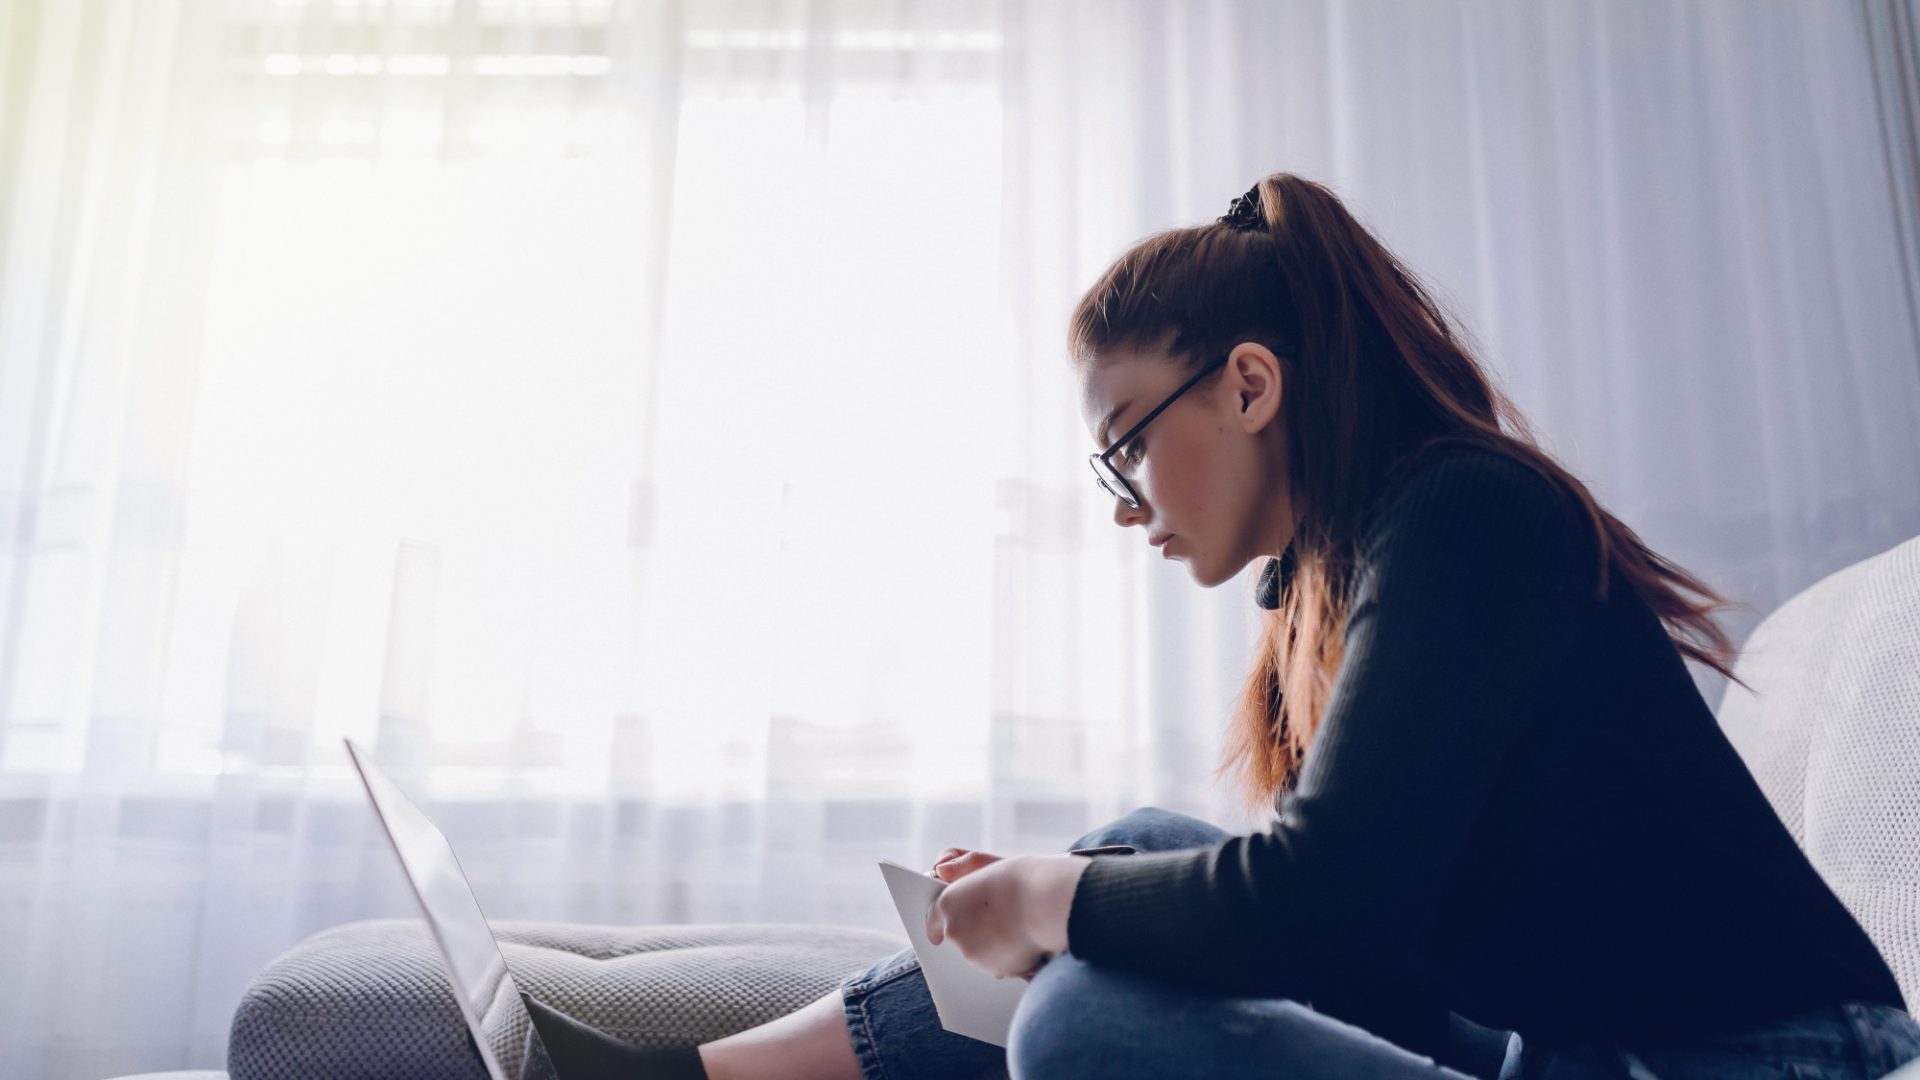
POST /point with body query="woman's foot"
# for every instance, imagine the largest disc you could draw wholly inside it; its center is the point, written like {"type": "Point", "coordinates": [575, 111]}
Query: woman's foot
{"type": "Point", "coordinates": [578, 1051]}
{"type": "Point", "coordinates": [811, 1043]}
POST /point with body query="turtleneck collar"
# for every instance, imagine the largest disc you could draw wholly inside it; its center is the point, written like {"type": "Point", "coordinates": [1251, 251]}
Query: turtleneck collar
{"type": "Point", "coordinates": [1275, 579]}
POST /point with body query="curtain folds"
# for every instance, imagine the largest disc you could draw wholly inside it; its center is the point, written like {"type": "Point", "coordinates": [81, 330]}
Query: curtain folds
{"type": "Point", "coordinates": [1893, 41]}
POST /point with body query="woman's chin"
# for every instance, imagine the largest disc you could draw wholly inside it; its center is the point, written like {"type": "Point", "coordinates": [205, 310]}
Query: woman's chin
{"type": "Point", "coordinates": [1200, 569]}
{"type": "Point", "coordinates": [1206, 573]}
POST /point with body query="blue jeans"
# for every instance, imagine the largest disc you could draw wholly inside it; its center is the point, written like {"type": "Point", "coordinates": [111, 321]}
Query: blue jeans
{"type": "Point", "coordinates": [1851, 1041]}
{"type": "Point", "coordinates": [1081, 1020]}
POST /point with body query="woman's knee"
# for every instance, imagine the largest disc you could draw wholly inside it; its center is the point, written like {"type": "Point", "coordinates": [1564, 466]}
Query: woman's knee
{"type": "Point", "coordinates": [1151, 828]}
{"type": "Point", "coordinates": [1059, 1025]}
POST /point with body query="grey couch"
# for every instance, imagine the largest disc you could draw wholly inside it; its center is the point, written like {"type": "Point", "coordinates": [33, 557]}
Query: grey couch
{"type": "Point", "coordinates": [370, 999]}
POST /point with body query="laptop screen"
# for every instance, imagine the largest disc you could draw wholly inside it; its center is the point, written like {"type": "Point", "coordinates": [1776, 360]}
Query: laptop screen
{"type": "Point", "coordinates": [485, 989]}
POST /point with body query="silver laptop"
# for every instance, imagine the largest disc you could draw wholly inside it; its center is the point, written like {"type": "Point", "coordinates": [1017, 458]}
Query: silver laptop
{"type": "Point", "coordinates": [496, 1011]}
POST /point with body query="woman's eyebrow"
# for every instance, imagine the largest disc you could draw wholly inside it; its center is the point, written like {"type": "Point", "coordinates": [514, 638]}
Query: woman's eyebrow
{"type": "Point", "coordinates": [1106, 425]}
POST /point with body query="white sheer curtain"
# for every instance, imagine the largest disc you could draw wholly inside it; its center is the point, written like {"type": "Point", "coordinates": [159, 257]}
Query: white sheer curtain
{"type": "Point", "coordinates": [645, 424]}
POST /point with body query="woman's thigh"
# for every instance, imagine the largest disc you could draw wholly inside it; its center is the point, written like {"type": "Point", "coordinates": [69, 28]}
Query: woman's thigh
{"type": "Point", "coordinates": [1085, 1020]}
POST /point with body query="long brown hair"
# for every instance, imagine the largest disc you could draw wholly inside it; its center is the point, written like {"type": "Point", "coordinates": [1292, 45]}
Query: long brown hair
{"type": "Point", "coordinates": [1375, 374]}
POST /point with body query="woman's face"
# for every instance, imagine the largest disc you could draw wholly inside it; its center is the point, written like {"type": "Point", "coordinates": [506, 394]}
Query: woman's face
{"type": "Point", "coordinates": [1211, 470]}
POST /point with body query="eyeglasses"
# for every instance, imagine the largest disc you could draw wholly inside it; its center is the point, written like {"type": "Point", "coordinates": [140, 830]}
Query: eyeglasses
{"type": "Point", "coordinates": [1103, 470]}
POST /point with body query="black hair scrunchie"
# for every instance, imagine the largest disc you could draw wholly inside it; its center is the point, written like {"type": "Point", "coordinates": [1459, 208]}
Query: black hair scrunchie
{"type": "Point", "coordinates": [1245, 213]}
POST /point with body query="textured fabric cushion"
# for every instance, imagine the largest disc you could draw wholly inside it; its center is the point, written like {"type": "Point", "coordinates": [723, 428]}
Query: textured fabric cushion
{"type": "Point", "coordinates": [1832, 734]}
{"type": "Point", "coordinates": [370, 999]}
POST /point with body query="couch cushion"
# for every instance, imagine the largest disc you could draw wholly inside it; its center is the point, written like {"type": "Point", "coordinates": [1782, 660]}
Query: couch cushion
{"type": "Point", "coordinates": [370, 999]}
{"type": "Point", "coordinates": [1831, 732]}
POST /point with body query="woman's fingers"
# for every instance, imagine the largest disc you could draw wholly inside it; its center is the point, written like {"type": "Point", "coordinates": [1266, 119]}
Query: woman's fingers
{"type": "Point", "coordinates": [959, 866]}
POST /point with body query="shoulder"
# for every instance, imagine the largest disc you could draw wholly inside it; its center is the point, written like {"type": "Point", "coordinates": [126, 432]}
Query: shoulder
{"type": "Point", "coordinates": [1462, 475]}
{"type": "Point", "coordinates": [1465, 463]}
{"type": "Point", "coordinates": [1470, 504]}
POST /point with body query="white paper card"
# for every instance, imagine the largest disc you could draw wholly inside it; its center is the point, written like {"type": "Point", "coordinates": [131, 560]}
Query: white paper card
{"type": "Point", "coordinates": [970, 1001]}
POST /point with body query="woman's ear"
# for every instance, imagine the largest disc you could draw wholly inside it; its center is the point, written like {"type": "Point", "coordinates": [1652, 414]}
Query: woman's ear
{"type": "Point", "coordinates": [1254, 372]}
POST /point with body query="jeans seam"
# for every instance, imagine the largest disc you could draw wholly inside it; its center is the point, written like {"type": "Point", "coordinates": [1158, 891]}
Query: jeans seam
{"type": "Point", "coordinates": [866, 1048]}
{"type": "Point", "coordinates": [863, 985]}
{"type": "Point", "coordinates": [866, 1022]}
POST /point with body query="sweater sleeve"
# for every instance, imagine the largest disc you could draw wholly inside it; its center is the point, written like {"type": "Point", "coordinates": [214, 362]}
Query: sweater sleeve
{"type": "Point", "coordinates": [1463, 608]}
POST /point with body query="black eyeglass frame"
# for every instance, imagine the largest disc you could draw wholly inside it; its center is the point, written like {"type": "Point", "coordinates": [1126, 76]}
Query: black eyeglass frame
{"type": "Point", "coordinates": [1099, 462]}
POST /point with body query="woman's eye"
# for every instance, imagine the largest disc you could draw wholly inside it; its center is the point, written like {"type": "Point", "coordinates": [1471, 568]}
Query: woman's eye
{"type": "Point", "coordinates": [1133, 451]}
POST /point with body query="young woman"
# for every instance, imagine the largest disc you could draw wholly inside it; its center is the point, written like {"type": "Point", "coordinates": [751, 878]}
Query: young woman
{"type": "Point", "coordinates": [1510, 839]}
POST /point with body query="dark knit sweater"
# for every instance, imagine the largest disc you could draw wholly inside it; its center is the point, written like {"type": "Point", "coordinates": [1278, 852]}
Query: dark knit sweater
{"type": "Point", "coordinates": [1517, 807]}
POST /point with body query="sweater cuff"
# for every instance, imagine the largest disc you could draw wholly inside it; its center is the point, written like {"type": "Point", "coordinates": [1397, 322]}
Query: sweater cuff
{"type": "Point", "coordinates": [1123, 909]}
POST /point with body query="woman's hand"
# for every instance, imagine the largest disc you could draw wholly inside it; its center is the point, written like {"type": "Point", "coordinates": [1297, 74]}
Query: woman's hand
{"type": "Point", "coordinates": [1009, 917]}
